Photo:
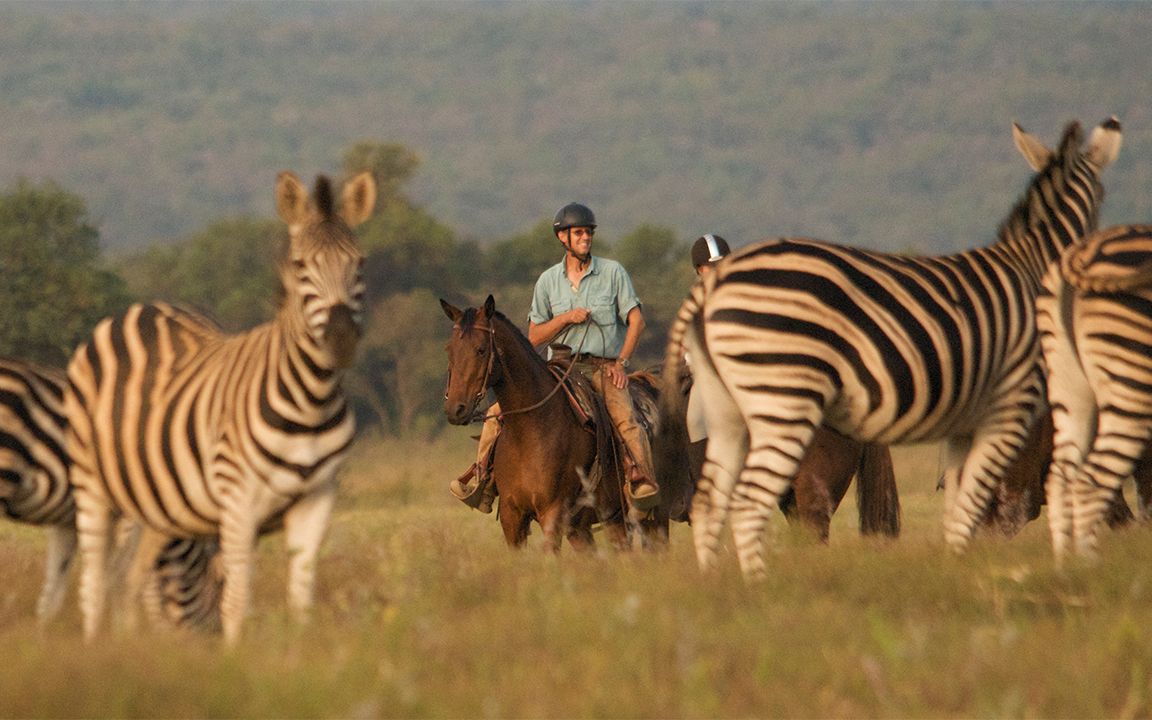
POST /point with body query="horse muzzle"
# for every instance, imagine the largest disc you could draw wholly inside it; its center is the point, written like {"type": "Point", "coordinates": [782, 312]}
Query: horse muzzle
{"type": "Point", "coordinates": [459, 413]}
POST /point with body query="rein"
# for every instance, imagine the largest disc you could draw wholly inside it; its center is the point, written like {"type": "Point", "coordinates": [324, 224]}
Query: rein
{"type": "Point", "coordinates": [493, 353]}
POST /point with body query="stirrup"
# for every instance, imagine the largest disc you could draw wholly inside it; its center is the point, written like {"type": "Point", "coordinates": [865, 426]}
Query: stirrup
{"type": "Point", "coordinates": [469, 490]}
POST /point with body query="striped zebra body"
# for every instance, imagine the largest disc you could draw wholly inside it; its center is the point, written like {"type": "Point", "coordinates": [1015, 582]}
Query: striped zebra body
{"type": "Point", "coordinates": [198, 434]}
{"type": "Point", "coordinates": [1095, 320]}
{"type": "Point", "coordinates": [34, 489]}
{"type": "Point", "coordinates": [795, 333]}
{"type": "Point", "coordinates": [34, 468]}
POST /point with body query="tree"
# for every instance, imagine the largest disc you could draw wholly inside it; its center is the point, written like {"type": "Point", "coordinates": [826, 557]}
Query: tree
{"type": "Point", "coordinates": [227, 271]}
{"type": "Point", "coordinates": [662, 274]}
{"type": "Point", "coordinates": [53, 289]}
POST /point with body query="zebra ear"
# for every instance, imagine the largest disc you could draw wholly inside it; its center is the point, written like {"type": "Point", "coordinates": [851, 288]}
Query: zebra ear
{"type": "Point", "coordinates": [1032, 149]}
{"type": "Point", "coordinates": [358, 199]}
{"type": "Point", "coordinates": [1104, 143]}
{"type": "Point", "coordinates": [454, 313]}
{"type": "Point", "coordinates": [291, 199]}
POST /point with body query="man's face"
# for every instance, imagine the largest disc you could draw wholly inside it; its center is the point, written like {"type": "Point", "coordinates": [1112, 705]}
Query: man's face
{"type": "Point", "coordinates": [578, 241]}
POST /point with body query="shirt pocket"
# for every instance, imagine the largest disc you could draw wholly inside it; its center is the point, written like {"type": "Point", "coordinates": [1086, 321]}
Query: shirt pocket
{"type": "Point", "coordinates": [559, 306]}
{"type": "Point", "coordinates": [604, 309]}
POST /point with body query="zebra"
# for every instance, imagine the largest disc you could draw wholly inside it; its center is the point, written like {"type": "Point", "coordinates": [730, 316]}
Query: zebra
{"type": "Point", "coordinates": [1095, 320]}
{"type": "Point", "coordinates": [34, 468]}
{"type": "Point", "coordinates": [793, 333]}
{"type": "Point", "coordinates": [34, 489]}
{"type": "Point", "coordinates": [196, 433]}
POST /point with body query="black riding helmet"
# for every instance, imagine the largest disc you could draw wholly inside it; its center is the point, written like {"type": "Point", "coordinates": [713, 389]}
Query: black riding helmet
{"type": "Point", "coordinates": [573, 215]}
{"type": "Point", "coordinates": [709, 249]}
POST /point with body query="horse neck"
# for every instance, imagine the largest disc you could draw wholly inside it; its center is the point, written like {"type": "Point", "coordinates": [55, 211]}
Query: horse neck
{"type": "Point", "coordinates": [524, 376]}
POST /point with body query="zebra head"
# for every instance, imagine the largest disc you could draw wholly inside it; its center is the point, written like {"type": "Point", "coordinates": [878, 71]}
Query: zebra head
{"type": "Point", "coordinates": [322, 277]}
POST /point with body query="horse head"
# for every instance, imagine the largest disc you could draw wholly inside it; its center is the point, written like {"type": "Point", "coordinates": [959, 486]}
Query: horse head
{"type": "Point", "coordinates": [472, 366]}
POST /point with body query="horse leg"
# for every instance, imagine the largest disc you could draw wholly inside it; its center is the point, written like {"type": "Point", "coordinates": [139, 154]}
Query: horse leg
{"type": "Point", "coordinates": [654, 531]}
{"type": "Point", "coordinates": [877, 501]}
{"type": "Point", "coordinates": [553, 520]}
{"type": "Point", "coordinates": [514, 522]}
{"type": "Point", "coordinates": [580, 532]}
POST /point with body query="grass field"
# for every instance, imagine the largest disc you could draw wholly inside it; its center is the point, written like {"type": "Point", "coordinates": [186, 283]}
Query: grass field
{"type": "Point", "coordinates": [422, 612]}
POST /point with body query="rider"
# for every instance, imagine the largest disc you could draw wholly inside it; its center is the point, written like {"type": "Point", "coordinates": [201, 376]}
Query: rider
{"type": "Point", "coordinates": [706, 251]}
{"type": "Point", "coordinates": [587, 303]}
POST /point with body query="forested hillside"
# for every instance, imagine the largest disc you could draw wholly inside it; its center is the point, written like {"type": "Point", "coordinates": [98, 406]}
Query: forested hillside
{"type": "Point", "coordinates": [880, 124]}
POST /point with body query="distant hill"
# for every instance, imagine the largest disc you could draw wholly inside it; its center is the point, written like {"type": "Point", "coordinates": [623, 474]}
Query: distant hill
{"type": "Point", "coordinates": [880, 124]}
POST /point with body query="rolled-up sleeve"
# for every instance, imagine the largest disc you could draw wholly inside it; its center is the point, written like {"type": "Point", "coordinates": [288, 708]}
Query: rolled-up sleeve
{"type": "Point", "coordinates": [626, 298]}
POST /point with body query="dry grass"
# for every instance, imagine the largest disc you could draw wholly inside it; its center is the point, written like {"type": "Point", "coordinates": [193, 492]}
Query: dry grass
{"type": "Point", "coordinates": [422, 612]}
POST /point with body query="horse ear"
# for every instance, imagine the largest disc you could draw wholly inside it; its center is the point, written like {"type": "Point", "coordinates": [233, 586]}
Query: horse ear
{"type": "Point", "coordinates": [489, 307]}
{"type": "Point", "coordinates": [454, 313]}
{"type": "Point", "coordinates": [1032, 149]}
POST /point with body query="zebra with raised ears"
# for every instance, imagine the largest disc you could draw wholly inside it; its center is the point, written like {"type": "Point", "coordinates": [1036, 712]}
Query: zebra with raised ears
{"type": "Point", "coordinates": [1095, 321]}
{"type": "Point", "coordinates": [790, 334]}
{"type": "Point", "coordinates": [200, 434]}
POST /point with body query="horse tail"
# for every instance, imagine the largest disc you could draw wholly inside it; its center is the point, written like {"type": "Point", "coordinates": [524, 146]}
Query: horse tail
{"type": "Point", "coordinates": [670, 444]}
{"type": "Point", "coordinates": [876, 496]}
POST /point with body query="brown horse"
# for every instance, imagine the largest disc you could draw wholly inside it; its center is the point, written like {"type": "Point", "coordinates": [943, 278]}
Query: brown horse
{"type": "Point", "coordinates": [544, 465]}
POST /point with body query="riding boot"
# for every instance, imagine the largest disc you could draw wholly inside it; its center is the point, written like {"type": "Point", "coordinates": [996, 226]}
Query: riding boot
{"type": "Point", "coordinates": [475, 489]}
{"type": "Point", "coordinates": [641, 489]}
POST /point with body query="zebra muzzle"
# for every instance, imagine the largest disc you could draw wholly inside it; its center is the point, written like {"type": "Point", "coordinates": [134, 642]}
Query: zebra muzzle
{"type": "Point", "coordinates": [341, 333]}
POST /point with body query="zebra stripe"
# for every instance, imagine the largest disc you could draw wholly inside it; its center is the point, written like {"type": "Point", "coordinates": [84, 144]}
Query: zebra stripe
{"type": "Point", "coordinates": [200, 434]}
{"type": "Point", "coordinates": [795, 333]}
{"type": "Point", "coordinates": [34, 468]}
{"type": "Point", "coordinates": [34, 489]}
{"type": "Point", "coordinates": [1095, 322]}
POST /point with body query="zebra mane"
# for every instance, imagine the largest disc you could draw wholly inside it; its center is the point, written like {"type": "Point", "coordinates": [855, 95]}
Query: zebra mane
{"type": "Point", "coordinates": [322, 196]}
{"type": "Point", "coordinates": [1031, 203]}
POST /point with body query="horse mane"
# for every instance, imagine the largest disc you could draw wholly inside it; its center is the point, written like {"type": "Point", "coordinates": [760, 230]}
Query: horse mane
{"type": "Point", "coordinates": [468, 321]}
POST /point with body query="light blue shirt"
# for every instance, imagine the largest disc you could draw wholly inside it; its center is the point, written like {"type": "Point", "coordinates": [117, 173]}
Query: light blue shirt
{"type": "Point", "coordinates": [606, 290]}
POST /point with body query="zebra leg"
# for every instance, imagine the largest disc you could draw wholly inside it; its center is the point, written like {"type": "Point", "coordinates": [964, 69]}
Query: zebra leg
{"type": "Point", "coordinates": [94, 525]}
{"type": "Point", "coordinates": [776, 452]}
{"type": "Point", "coordinates": [305, 525]}
{"type": "Point", "coordinates": [1072, 400]}
{"type": "Point", "coordinates": [136, 553]}
{"type": "Point", "coordinates": [60, 552]}
{"type": "Point", "coordinates": [995, 446]}
{"type": "Point", "coordinates": [725, 457]}
{"type": "Point", "coordinates": [237, 546]}
{"type": "Point", "coordinates": [1116, 450]}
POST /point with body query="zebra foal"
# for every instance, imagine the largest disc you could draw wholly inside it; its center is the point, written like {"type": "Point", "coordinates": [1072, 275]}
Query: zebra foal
{"type": "Point", "coordinates": [1095, 322]}
{"type": "Point", "coordinates": [795, 333]}
{"type": "Point", "coordinates": [197, 434]}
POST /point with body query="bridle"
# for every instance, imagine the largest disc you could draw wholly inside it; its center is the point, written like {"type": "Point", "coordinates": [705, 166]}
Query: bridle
{"type": "Point", "coordinates": [493, 353]}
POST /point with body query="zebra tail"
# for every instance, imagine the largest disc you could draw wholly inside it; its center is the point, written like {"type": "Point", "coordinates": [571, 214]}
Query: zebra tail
{"type": "Point", "coordinates": [876, 496]}
{"type": "Point", "coordinates": [670, 444]}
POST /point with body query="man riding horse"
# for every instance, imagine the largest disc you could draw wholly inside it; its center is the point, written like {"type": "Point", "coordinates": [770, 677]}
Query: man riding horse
{"type": "Point", "coordinates": [588, 304]}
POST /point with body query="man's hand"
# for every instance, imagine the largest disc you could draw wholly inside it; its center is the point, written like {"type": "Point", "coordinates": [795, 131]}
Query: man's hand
{"type": "Point", "coordinates": [617, 375]}
{"type": "Point", "coordinates": [578, 315]}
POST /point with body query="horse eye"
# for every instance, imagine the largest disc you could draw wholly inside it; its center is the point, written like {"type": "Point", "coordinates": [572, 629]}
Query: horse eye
{"type": "Point", "coordinates": [481, 350]}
